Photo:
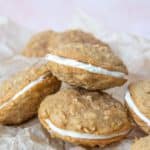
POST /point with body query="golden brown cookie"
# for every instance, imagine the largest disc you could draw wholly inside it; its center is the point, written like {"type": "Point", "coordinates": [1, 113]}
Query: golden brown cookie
{"type": "Point", "coordinates": [38, 44]}
{"type": "Point", "coordinates": [78, 36]}
{"type": "Point", "coordinates": [22, 93]}
{"type": "Point", "coordinates": [82, 117]}
{"type": "Point", "coordinates": [138, 102]}
{"type": "Point", "coordinates": [88, 66]}
{"type": "Point", "coordinates": [142, 144]}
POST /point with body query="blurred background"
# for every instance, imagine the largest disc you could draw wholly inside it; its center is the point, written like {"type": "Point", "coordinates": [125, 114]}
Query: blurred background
{"type": "Point", "coordinates": [117, 15]}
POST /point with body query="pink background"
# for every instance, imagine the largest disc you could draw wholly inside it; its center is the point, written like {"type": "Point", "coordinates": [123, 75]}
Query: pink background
{"type": "Point", "coordinates": [118, 15]}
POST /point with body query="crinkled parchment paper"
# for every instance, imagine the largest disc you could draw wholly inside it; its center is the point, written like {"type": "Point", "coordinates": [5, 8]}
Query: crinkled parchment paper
{"type": "Point", "coordinates": [134, 50]}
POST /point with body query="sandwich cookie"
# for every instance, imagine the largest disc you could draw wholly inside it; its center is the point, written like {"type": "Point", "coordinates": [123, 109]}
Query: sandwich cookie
{"type": "Point", "coordinates": [142, 144]}
{"type": "Point", "coordinates": [89, 66]}
{"type": "Point", "coordinates": [138, 101]}
{"type": "Point", "coordinates": [85, 118]}
{"type": "Point", "coordinates": [22, 93]}
{"type": "Point", "coordinates": [38, 44]}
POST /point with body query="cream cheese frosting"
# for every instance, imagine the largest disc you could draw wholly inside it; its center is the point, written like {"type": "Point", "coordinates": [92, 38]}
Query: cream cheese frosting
{"type": "Point", "coordinates": [84, 66]}
{"type": "Point", "coordinates": [133, 107]}
{"type": "Point", "coordinates": [26, 88]}
{"type": "Point", "coordinates": [74, 134]}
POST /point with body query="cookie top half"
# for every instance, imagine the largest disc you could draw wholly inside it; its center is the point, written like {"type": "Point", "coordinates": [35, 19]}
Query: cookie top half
{"type": "Point", "coordinates": [97, 55]}
{"type": "Point", "coordinates": [39, 43]}
{"type": "Point", "coordinates": [78, 36]}
{"type": "Point", "coordinates": [85, 112]}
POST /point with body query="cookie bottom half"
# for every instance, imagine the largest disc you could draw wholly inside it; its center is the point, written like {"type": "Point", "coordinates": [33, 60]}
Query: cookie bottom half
{"type": "Point", "coordinates": [82, 78]}
{"type": "Point", "coordinates": [81, 141]}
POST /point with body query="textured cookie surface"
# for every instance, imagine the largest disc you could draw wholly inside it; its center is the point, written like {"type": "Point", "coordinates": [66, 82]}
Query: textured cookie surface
{"type": "Point", "coordinates": [142, 144]}
{"type": "Point", "coordinates": [97, 55]}
{"type": "Point", "coordinates": [84, 112]}
{"type": "Point", "coordinates": [78, 36]}
{"type": "Point", "coordinates": [88, 112]}
{"type": "Point", "coordinates": [140, 93]}
{"type": "Point", "coordinates": [16, 109]}
{"type": "Point", "coordinates": [140, 101]}
{"type": "Point", "coordinates": [21, 79]}
{"type": "Point", "coordinates": [39, 43]}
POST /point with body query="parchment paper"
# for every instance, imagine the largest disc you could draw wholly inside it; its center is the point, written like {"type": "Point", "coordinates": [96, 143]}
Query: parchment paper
{"type": "Point", "coordinates": [134, 50]}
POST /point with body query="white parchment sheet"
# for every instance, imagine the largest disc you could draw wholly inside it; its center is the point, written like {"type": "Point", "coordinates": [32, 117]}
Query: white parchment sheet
{"type": "Point", "coordinates": [134, 50]}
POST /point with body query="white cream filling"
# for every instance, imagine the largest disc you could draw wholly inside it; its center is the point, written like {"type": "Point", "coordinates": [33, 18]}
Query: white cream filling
{"type": "Point", "coordinates": [26, 88]}
{"type": "Point", "coordinates": [74, 134]}
{"type": "Point", "coordinates": [84, 66]}
{"type": "Point", "coordinates": [132, 106]}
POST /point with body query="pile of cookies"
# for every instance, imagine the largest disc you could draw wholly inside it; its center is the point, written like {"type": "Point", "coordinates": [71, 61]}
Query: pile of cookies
{"type": "Point", "coordinates": [81, 113]}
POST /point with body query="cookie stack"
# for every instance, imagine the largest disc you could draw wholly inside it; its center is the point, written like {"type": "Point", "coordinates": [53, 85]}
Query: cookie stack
{"type": "Point", "coordinates": [83, 114]}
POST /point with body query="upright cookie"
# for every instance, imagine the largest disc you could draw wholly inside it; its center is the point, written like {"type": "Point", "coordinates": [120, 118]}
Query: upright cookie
{"type": "Point", "coordinates": [142, 144]}
{"type": "Point", "coordinates": [82, 117]}
{"type": "Point", "coordinates": [22, 93]}
{"type": "Point", "coordinates": [138, 102]}
{"type": "Point", "coordinates": [88, 66]}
